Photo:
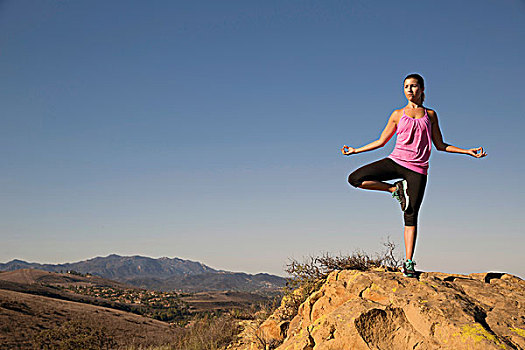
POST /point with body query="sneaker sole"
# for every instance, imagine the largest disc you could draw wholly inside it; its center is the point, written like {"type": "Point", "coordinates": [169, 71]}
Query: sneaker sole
{"type": "Point", "coordinates": [405, 188]}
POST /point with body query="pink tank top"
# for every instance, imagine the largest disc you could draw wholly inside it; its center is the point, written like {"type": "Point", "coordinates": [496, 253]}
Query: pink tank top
{"type": "Point", "coordinates": [413, 144]}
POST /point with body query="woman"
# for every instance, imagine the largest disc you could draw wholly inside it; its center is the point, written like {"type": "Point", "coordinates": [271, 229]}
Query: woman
{"type": "Point", "coordinates": [417, 127]}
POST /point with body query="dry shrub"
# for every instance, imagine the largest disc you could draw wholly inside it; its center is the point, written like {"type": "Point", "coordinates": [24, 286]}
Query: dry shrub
{"type": "Point", "coordinates": [152, 347]}
{"type": "Point", "coordinates": [208, 333]}
{"type": "Point", "coordinates": [308, 276]}
{"type": "Point", "coordinates": [256, 310]}
{"type": "Point", "coordinates": [264, 342]}
{"type": "Point", "coordinates": [161, 347]}
{"type": "Point", "coordinates": [261, 340]}
{"type": "Point", "coordinates": [203, 333]}
{"type": "Point", "coordinates": [74, 335]}
{"type": "Point", "coordinates": [389, 259]}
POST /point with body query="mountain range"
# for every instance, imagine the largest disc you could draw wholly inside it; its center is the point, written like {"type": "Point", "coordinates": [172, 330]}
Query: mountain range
{"type": "Point", "coordinates": [161, 274]}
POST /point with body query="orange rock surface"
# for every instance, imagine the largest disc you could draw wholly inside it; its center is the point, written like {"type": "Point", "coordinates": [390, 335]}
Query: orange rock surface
{"type": "Point", "coordinates": [384, 310]}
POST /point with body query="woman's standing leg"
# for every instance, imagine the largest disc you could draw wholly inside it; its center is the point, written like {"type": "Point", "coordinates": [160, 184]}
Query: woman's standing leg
{"type": "Point", "coordinates": [410, 241]}
{"type": "Point", "coordinates": [416, 189]}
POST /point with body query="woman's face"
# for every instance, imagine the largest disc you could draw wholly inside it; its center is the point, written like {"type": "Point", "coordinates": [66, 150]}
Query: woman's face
{"type": "Point", "coordinates": [412, 90]}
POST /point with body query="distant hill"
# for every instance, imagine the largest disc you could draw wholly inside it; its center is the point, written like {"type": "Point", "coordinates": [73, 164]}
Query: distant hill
{"type": "Point", "coordinates": [118, 267]}
{"type": "Point", "coordinates": [42, 309]}
{"type": "Point", "coordinates": [218, 281]}
{"type": "Point", "coordinates": [161, 274]}
{"type": "Point", "coordinates": [47, 278]}
{"type": "Point", "coordinates": [48, 284]}
{"type": "Point", "coordinates": [72, 287]}
{"type": "Point", "coordinates": [23, 316]}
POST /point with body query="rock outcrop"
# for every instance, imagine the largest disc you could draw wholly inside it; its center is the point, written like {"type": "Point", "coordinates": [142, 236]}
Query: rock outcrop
{"type": "Point", "coordinates": [384, 310]}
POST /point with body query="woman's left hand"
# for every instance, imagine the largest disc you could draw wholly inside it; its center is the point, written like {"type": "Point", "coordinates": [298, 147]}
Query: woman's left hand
{"type": "Point", "coordinates": [476, 152]}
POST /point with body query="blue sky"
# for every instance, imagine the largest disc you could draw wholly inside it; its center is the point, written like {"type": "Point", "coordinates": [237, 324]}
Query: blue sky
{"type": "Point", "coordinates": [210, 130]}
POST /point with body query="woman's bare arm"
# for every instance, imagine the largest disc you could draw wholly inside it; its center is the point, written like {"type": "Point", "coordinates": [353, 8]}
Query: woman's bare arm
{"type": "Point", "coordinates": [437, 139]}
{"type": "Point", "coordinates": [386, 135]}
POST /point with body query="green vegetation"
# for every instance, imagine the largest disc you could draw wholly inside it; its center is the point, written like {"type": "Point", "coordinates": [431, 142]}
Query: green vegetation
{"type": "Point", "coordinates": [167, 307]}
{"type": "Point", "coordinates": [76, 273]}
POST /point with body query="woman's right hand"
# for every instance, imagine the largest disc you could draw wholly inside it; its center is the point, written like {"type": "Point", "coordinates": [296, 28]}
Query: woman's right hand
{"type": "Point", "coordinates": [347, 150]}
{"type": "Point", "coordinates": [476, 152]}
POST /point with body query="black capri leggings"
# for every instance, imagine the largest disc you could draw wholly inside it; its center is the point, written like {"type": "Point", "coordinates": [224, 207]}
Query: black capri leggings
{"type": "Point", "coordinates": [387, 169]}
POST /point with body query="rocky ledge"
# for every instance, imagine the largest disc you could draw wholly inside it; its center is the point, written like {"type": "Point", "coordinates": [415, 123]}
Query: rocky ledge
{"type": "Point", "coordinates": [384, 310]}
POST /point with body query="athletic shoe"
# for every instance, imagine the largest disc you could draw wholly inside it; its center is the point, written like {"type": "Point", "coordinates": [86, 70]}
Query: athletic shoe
{"type": "Point", "coordinates": [401, 194]}
{"type": "Point", "coordinates": [408, 268]}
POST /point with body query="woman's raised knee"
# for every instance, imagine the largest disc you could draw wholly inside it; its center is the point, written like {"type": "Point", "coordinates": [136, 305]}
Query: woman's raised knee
{"type": "Point", "coordinates": [354, 180]}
